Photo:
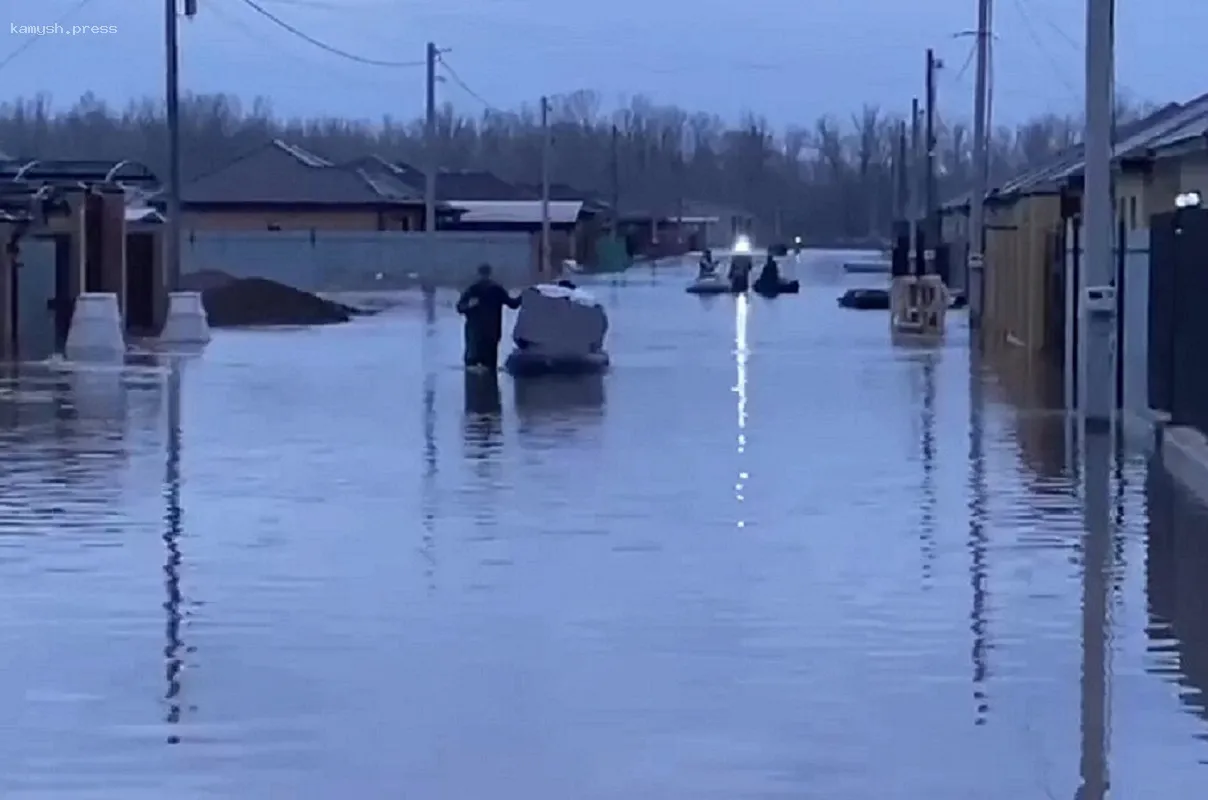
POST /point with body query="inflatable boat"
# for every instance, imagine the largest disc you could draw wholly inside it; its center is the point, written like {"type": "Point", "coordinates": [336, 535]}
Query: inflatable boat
{"type": "Point", "coordinates": [712, 283]}
{"type": "Point", "coordinates": [866, 299]}
{"type": "Point", "coordinates": [559, 331]}
{"type": "Point", "coordinates": [783, 287]}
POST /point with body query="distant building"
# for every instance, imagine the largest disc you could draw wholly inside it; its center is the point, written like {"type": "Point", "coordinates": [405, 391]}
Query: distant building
{"type": "Point", "coordinates": [279, 186]}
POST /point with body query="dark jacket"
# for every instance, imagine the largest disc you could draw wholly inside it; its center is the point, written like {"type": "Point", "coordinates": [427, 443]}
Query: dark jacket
{"type": "Point", "coordinates": [482, 306]}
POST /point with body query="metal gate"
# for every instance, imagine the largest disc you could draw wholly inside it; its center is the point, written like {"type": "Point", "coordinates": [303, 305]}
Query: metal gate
{"type": "Point", "coordinates": [36, 289]}
{"type": "Point", "coordinates": [1178, 323]}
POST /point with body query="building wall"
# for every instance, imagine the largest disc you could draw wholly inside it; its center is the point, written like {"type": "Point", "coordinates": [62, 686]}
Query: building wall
{"type": "Point", "coordinates": [1193, 174]}
{"type": "Point", "coordinates": [360, 261]}
{"type": "Point", "coordinates": [295, 220]}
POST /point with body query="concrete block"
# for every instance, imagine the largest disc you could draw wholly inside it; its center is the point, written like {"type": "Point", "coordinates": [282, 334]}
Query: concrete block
{"type": "Point", "coordinates": [96, 329]}
{"type": "Point", "coordinates": [187, 322]}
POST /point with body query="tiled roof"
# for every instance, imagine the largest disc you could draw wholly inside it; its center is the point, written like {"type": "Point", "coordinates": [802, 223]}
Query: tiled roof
{"type": "Point", "coordinates": [278, 172]}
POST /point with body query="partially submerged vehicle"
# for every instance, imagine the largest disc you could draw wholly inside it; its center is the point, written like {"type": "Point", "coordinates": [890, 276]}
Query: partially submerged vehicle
{"type": "Point", "coordinates": [560, 330]}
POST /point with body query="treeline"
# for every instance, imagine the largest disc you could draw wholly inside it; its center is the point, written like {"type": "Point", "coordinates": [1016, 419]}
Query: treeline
{"type": "Point", "coordinates": [832, 180]}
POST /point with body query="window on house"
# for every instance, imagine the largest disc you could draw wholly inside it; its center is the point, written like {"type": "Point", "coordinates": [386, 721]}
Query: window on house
{"type": "Point", "coordinates": [1132, 213]}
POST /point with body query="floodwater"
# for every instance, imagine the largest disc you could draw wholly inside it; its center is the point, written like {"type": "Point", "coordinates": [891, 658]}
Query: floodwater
{"type": "Point", "coordinates": [770, 555]}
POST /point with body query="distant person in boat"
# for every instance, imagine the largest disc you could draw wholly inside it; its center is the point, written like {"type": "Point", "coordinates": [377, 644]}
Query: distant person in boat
{"type": "Point", "coordinates": [482, 305]}
{"type": "Point", "coordinates": [769, 276]}
{"type": "Point", "coordinates": [707, 267]}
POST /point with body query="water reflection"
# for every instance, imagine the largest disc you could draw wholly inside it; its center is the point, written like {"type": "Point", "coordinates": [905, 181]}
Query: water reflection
{"type": "Point", "coordinates": [429, 500]}
{"type": "Point", "coordinates": [482, 424]}
{"type": "Point", "coordinates": [174, 649]}
{"type": "Point", "coordinates": [1176, 577]}
{"type": "Point", "coordinates": [977, 541]}
{"type": "Point", "coordinates": [429, 497]}
{"type": "Point", "coordinates": [482, 394]}
{"type": "Point", "coordinates": [559, 397]}
{"type": "Point", "coordinates": [928, 362]}
{"type": "Point", "coordinates": [742, 354]}
{"type": "Point", "coordinates": [1096, 578]}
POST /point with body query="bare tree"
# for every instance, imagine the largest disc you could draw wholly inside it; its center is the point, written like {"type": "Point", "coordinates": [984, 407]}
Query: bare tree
{"type": "Point", "coordinates": [827, 181]}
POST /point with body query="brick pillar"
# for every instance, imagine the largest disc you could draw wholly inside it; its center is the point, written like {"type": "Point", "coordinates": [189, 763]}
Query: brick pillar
{"type": "Point", "coordinates": [113, 246]}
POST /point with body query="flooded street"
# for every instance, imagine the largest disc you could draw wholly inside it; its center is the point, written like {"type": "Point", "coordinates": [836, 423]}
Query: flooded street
{"type": "Point", "coordinates": [770, 555]}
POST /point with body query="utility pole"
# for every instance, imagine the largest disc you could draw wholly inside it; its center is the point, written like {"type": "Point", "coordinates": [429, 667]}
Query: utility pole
{"type": "Point", "coordinates": [1097, 303]}
{"type": "Point", "coordinates": [172, 105]}
{"type": "Point", "coordinates": [615, 170]}
{"type": "Point", "coordinates": [912, 206]}
{"type": "Point", "coordinates": [931, 212]}
{"type": "Point", "coordinates": [975, 269]}
{"type": "Point", "coordinates": [432, 164]}
{"type": "Point", "coordinates": [1097, 391]}
{"type": "Point", "coordinates": [546, 148]}
{"type": "Point", "coordinates": [901, 202]}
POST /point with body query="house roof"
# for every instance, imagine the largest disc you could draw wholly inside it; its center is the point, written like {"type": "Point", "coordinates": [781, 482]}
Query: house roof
{"type": "Point", "coordinates": [280, 173]}
{"type": "Point", "coordinates": [1137, 139]}
{"type": "Point", "coordinates": [525, 212]}
{"type": "Point", "coordinates": [453, 185]}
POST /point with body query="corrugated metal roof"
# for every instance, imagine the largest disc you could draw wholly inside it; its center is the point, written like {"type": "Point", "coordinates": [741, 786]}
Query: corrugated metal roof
{"type": "Point", "coordinates": [1171, 124]}
{"type": "Point", "coordinates": [528, 212]}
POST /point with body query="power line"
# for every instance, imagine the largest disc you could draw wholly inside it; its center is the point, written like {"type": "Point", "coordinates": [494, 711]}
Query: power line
{"type": "Point", "coordinates": [968, 61]}
{"type": "Point", "coordinates": [1057, 29]}
{"type": "Point", "coordinates": [453, 76]}
{"type": "Point", "coordinates": [306, 37]}
{"type": "Point", "coordinates": [1030, 30]}
{"type": "Point", "coordinates": [331, 5]}
{"type": "Point", "coordinates": [32, 39]}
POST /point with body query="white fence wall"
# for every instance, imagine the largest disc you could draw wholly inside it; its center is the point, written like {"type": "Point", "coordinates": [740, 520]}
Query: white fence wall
{"type": "Point", "coordinates": [328, 261]}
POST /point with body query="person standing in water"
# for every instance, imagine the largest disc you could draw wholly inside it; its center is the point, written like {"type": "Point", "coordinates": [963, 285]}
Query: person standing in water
{"type": "Point", "coordinates": [482, 305]}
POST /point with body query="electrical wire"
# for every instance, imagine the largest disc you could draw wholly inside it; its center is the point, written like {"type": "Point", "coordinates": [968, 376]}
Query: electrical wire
{"type": "Point", "coordinates": [330, 5]}
{"type": "Point", "coordinates": [33, 39]}
{"type": "Point", "coordinates": [453, 76]}
{"type": "Point", "coordinates": [1030, 30]}
{"type": "Point", "coordinates": [1055, 28]}
{"type": "Point", "coordinates": [306, 37]}
{"type": "Point", "coordinates": [960, 73]}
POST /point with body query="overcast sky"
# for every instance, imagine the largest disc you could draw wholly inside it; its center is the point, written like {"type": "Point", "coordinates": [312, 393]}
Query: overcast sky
{"type": "Point", "coordinates": [790, 60]}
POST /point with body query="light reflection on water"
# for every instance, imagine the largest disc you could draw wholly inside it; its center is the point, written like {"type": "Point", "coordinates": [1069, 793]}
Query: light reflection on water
{"type": "Point", "coordinates": [314, 569]}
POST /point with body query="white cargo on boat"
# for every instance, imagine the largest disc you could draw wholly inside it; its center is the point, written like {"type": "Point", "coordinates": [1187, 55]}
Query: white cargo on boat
{"type": "Point", "coordinates": [559, 322]}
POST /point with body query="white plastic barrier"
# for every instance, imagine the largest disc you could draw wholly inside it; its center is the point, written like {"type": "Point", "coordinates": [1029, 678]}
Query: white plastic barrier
{"type": "Point", "coordinates": [96, 329]}
{"type": "Point", "coordinates": [187, 322]}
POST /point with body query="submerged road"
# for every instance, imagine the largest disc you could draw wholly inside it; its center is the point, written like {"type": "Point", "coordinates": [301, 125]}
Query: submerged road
{"type": "Point", "coordinates": [770, 555]}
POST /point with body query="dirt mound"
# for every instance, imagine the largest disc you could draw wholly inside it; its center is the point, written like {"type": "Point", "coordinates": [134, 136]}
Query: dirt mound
{"type": "Point", "coordinates": [259, 301]}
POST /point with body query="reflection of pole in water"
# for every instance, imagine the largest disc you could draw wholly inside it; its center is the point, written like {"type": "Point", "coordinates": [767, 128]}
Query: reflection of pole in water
{"type": "Point", "coordinates": [1097, 567]}
{"type": "Point", "coordinates": [428, 548]}
{"type": "Point", "coordinates": [429, 294]}
{"type": "Point", "coordinates": [977, 532]}
{"type": "Point", "coordinates": [927, 528]}
{"type": "Point", "coordinates": [428, 545]}
{"type": "Point", "coordinates": [741, 354]}
{"type": "Point", "coordinates": [174, 649]}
